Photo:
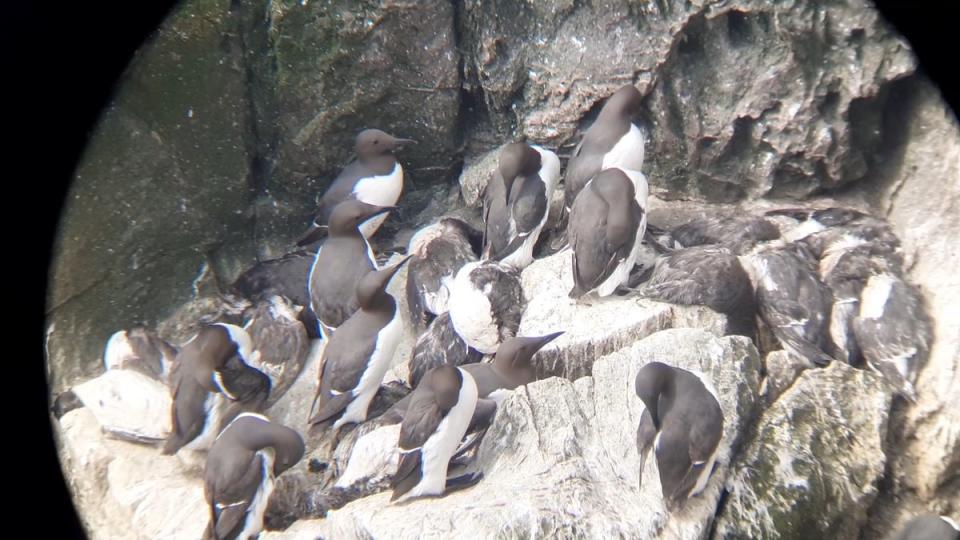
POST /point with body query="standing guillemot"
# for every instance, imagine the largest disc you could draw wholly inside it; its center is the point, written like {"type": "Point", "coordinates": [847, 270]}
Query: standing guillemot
{"type": "Point", "coordinates": [240, 471]}
{"type": "Point", "coordinates": [792, 302]}
{"type": "Point", "coordinates": [611, 141]}
{"type": "Point", "coordinates": [282, 343]}
{"type": "Point", "coordinates": [438, 251]}
{"type": "Point", "coordinates": [359, 354]}
{"type": "Point", "coordinates": [606, 229]}
{"type": "Point", "coordinates": [439, 344]}
{"type": "Point", "coordinates": [211, 383]}
{"type": "Point", "coordinates": [486, 303]}
{"type": "Point", "coordinates": [709, 276]}
{"type": "Point", "coordinates": [516, 202]}
{"type": "Point", "coordinates": [142, 350]}
{"type": "Point", "coordinates": [432, 428]}
{"type": "Point", "coordinates": [893, 331]}
{"type": "Point", "coordinates": [340, 264]}
{"type": "Point", "coordinates": [686, 416]}
{"type": "Point", "coordinates": [375, 178]}
{"type": "Point", "coordinates": [929, 527]}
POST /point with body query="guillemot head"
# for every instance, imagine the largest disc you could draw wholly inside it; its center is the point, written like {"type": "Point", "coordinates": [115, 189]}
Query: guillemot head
{"type": "Point", "coordinates": [372, 143]}
{"type": "Point", "coordinates": [514, 355]}
{"type": "Point", "coordinates": [374, 284]}
{"type": "Point", "coordinates": [350, 214]}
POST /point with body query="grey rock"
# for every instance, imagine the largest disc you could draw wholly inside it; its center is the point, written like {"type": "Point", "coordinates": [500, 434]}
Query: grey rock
{"type": "Point", "coordinates": [326, 71]}
{"type": "Point", "coordinates": [814, 466]}
{"type": "Point", "coordinates": [782, 370]}
{"type": "Point", "coordinates": [124, 490]}
{"type": "Point", "coordinates": [920, 194]}
{"type": "Point", "coordinates": [596, 328]}
{"type": "Point", "coordinates": [475, 175]}
{"type": "Point", "coordinates": [742, 99]}
{"type": "Point", "coordinates": [161, 194]}
{"type": "Point", "coordinates": [560, 459]}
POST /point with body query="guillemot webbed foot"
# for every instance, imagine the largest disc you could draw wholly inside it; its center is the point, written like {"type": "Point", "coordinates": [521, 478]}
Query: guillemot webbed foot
{"type": "Point", "coordinates": [462, 482]}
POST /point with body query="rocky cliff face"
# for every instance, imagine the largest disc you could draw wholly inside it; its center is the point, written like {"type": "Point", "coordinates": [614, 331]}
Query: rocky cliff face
{"type": "Point", "coordinates": [236, 115]}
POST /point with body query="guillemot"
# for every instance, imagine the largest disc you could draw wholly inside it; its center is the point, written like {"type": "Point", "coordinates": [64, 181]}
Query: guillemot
{"type": "Point", "coordinates": [211, 383]}
{"type": "Point", "coordinates": [359, 354]}
{"type": "Point", "coordinates": [376, 178]}
{"type": "Point", "coordinates": [439, 251]}
{"type": "Point", "coordinates": [486, 303]}
{"type": "Point", "coordinates": [613, 140]}
{"type": "Point", "coordinates": [240, 471]}
{"type": "Point", "coordinates": [516, 202]}
{"type": "Point", "coordinates": [606, 228]}
{"type": "Point", "coordinates": [431, 431]}
{"type": "Point", "coordinates": [340, 264]}
{"type": "Point", "coordinates": [687, 421]}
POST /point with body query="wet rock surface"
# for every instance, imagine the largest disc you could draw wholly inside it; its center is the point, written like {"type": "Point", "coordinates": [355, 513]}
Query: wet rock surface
{"type": "Point", "coordinates": [814, 466]}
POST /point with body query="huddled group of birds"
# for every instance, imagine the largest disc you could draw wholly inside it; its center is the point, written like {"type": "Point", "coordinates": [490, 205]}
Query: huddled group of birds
{"type": "Point", "coordinates": [831, 288]}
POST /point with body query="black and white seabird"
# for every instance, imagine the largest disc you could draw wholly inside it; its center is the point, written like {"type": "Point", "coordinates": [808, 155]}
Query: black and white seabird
{"type": "Point", "coordinates": [211, 383]}
{"type": "Point", "coordinates": [286, 276]}
{"type": "Point", "coordinates": [929, 527]}
{"type": "Point", "coordinates": [845, 263]}
{"type": "Point", "coordinates": [432, 428]}
{"type": "Point", "coordinates": [359, 354]}
{"type": "Point", "coordinates": [793, 302]}
{"type": "Point", "coordinates": [516, 202]}
{"type": "Point", "coordinates": [846, 247]}
{"type": "Point", "coordinates": [375, 177]}
{"type": "Point", "coordinates": [140, 349]}
{"type": "Point", "coordinates": [685, 414]}
{"type": "Point", "coordinates": [606, 228]}
{"type": "Point", "coordinates": [709, 276]}
{"type": "Point", "coordinates": [240, 471]}
{"type": "Point", "coordinates": [611, 141]}
{"type": "Point", "coordinates": [439, 251]}
{"type": "Point", "coordinates": [893, 331]}
{"type": "Point", "coordinates": [340, 264]}
{"type": "Point", "coordinates": [738, 233]}
{"type": "Point", "coordinates": [439, 344]}
{"type": "Point", "coordinates": [281, 341]}
{"type": "Point", "coordinates": [486, 303]}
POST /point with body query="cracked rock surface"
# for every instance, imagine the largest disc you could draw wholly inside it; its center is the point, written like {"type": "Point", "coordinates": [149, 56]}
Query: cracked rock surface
{"type": "Point", "coordinates": [560, 459]}
{"type": "Point", "coordinates": [814, 466]}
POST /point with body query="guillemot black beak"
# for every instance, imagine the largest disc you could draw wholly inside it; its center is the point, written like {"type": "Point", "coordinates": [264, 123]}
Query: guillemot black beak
{"type": "Point", "coordinates": [547, 339]}
{"type": "Point", "coordinates": [314, 233]}
{"type": "Point", "coordinates": [390, 271]}
{"type": "Point", "coordinates": [401, 142]}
